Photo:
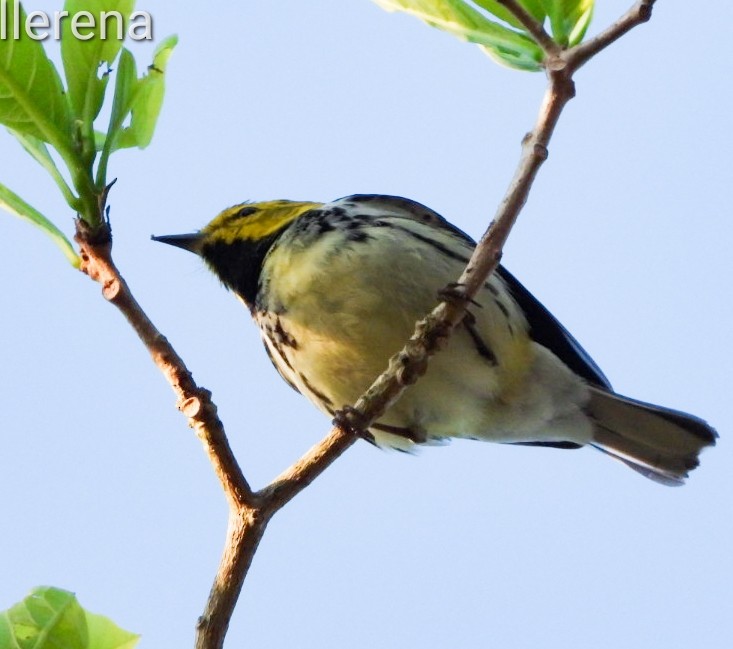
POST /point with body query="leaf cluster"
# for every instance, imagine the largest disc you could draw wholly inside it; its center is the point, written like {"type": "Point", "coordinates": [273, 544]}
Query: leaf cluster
{"type": "Point", "coordinates": [497, 31]}
{"type": "Point", "coordinates": [47, 115]}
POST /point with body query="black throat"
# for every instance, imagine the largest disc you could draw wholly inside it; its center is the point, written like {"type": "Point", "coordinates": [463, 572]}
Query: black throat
{"type": "Point", "coordinates": [239, 264]}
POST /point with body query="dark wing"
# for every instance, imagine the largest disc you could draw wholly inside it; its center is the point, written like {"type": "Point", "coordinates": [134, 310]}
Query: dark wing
{"type": "Point", "coordinates": [408, 209]}
{"type": "Point", "coordinates": [543, 326]}
{"type": "Point", "coordinates": [548, 332]}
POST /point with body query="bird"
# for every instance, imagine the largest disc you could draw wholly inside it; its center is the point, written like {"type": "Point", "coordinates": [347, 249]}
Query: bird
{"type": "Point", "coordinates": [336, 289]}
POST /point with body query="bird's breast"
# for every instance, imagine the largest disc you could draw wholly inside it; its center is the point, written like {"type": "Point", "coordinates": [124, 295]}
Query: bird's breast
{"type": "Point", "coordinates": [338, 308]}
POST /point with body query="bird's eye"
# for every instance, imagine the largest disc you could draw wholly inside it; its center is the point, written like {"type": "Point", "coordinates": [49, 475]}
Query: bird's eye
{"type": "Point", "coordinates": [246, 211]}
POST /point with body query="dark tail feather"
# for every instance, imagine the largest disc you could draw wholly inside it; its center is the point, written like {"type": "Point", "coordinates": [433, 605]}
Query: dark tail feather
{"type": "Point", "coordinates": [659, 443]}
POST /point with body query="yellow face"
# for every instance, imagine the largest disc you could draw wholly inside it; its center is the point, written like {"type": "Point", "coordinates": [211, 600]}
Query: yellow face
{"type": "Point", "coordinates": [254, 221]}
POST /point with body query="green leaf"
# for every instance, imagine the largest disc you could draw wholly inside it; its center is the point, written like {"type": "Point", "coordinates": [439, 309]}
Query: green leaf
{"type": "Point", "coordinates": [87, 54]}
{"type": "Point", "coordinates": [32, 97]}
{"type": "Point", "coordinates": [125, 87]}
{"type": "Point", "coordinates": [458, 18]}
{"type": "Point", "coordinates": [14, 204]}
{"type": "Point", "coordinates": [46, 618]}
{"type": "Point", "coordinates": [38, 150]}
{"type": "Point", "coordinates": [105, 634]}
{"type": "Point", "coordinates": [83, 58]}
{"type": "Point", "coordinates": [50, 618]}
{"type": "Point", "coordinates": [569, 19]}
{"type": "Point", "coordinates": [142, 98]}
{"type": "Point", "coordinates": [148, 98]}
{"type": "Point", "coordinates": [511, 58]}
{"type": "Point", "coordinates": [121, 104]}
{"type": "Point", "coordinates": [534, 7]}
{"type": "Point", "coordinates": [584, 16]}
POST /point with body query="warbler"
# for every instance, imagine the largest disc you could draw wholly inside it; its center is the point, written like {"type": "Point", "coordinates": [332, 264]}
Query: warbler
{"type": "Point", "coordinates": [336, 290]}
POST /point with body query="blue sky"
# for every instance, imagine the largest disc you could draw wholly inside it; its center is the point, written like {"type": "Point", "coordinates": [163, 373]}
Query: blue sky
{"type": "Point", "coordinates": [626, 238]}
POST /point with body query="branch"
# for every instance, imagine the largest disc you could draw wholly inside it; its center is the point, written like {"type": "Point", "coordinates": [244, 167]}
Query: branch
{"type": "Point", "coordinates": [246, 527]}
{"type": "Point", "coordinates": [195, 402]}
{"type": "Point", "coordinates": [244, 532]}
{"type": "Point", "coordinates": [639, 13]}
{"type": "Point", "coordinates": [297, 477]}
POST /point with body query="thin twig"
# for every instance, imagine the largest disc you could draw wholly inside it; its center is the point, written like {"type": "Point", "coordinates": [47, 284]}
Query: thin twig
{"type": "Point", "coordinates": [534, 27]}
{"type": "Point", "coordinates": [195, 402]}
{"type": "Point", "coordinates": [297, 477]}
{"type": "Point", "coordinates": [639, 13]}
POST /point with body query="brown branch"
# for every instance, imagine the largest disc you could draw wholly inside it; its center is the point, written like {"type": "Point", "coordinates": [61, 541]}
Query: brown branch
{"type": "Point", "coordinates": [639, 13]}
{"type": "Point", "coordinates": [247, 524]}
{"type": "Point", "coordinates": [195, 402]}
{"type": "Point", "coordinates": [297, 477]}
{"type": "Point", "coordinates": [244, 532]}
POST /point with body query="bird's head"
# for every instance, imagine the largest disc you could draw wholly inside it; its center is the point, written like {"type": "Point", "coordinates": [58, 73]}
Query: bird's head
{"type": "Point", "coordinates": [235, 243]}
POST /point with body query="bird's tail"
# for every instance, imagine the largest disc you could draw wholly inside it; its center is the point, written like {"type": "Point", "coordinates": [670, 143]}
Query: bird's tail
{"type": "Point", "coordinates": [659, 443]}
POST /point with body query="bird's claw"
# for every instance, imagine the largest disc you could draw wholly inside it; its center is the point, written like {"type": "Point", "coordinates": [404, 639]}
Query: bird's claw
{"type": "Point", "coordinates": [455, 293]}
{"type": "Point", "coordinates": [353, 421]}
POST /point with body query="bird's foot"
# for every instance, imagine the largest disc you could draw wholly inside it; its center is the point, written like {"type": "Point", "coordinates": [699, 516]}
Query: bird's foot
{"type": "Point", "coordinates": [455, 293]}
{"type": "Point", "coordinates": [353, 421]}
